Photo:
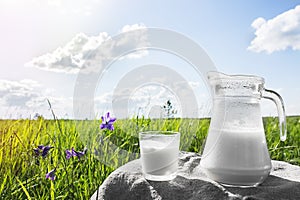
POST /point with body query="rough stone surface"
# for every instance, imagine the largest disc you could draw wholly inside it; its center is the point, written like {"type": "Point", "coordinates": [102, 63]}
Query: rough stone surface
{"type": "Point", "coordinates": [127, 183]}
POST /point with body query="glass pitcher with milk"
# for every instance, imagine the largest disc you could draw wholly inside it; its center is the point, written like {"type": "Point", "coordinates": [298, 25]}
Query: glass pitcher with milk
{"type": "Point", "coordinates": [235, 151]}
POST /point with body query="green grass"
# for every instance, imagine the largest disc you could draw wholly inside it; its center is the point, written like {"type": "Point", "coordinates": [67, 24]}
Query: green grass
{"type": "Point", "coordinates": [23, 175]}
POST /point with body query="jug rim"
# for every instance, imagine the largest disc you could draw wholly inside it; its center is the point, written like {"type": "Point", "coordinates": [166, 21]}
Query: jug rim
{"type": "Point", "coordinates": [215, 75]}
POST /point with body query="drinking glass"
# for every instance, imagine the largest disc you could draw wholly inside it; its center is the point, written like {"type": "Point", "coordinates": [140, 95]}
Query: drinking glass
{"type": "Point", "coordinates": [159, 154]}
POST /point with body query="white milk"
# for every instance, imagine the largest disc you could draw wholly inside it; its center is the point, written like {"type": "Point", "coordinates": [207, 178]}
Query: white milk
{"type": "Point", "coordinates": [159, 158]}
{"type": "Point", "coordinates": [237, 157]}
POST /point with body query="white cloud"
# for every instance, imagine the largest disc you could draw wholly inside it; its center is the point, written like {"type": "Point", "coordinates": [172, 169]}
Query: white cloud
{"type": "Point", "coordinates": [279, 33]}
{"type": "Point", "coordinates": [133, 27]}
{"type": "Point", "coordinates": [69, 58]}
{"type": "Point", "coordinates": [20, 88]}
{"type": "Point", "coordinates": [256, 24]}
{"type": "Point", "coordinates": [82, 48]}
{"type": "Point", "coordinates": [26, 97]}
{"type": "Point", "coordinates": [140, 53]}
{"type": "Point", "coordinates": [15, 95]}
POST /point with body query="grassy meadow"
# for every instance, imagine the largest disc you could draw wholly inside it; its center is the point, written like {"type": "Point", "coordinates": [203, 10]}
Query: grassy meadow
{"type": "Point", "coordinates": [23, 172]}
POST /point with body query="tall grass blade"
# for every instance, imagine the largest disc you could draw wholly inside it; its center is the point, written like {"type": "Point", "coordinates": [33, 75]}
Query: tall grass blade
{"type": "Point", "coordinates": [3, 184]}
{"type": "Point", "coordinates": [24, 189]}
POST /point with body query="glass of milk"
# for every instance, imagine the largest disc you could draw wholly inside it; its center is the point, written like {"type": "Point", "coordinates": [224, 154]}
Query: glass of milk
{"type": "Point", "coordinates": [159, 154]}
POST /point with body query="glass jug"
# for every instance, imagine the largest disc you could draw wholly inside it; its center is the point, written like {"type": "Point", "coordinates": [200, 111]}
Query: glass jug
{"type": "Point", "coordinates": [235, 151]}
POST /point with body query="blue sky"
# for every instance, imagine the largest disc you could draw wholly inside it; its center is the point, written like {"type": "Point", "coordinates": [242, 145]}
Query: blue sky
{"type": "Point", "coordinates": [259, 37]}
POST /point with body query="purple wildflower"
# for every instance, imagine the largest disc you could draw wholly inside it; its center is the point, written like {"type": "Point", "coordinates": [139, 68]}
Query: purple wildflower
{"type": "Point", "coordinates": [51, 175]}
{"type": "Point", "coordinates": [80, 154]}
{"type": "Point", "coordinates": [72, 152]}
{"type": "Point", "coordinates": [45, 151]}
{"type": "Point", "coordinates": [42, 150]}
{"type": "Point", "coordinates": [36, 152]}
{"type": "Point", "coordinates": [107, 122]}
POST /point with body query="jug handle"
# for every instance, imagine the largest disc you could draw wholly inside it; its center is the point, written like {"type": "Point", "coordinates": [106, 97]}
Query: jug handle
{"type": "Point", "coordinates": [277, 99]}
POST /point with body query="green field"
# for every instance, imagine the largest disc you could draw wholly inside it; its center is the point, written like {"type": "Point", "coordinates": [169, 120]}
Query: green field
{"type": "Point", "coordinates": [23, 173]}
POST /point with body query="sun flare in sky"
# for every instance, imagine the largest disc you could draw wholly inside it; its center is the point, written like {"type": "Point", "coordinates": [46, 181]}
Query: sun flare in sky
{"type": "Point", "coordinates": [44, 45]}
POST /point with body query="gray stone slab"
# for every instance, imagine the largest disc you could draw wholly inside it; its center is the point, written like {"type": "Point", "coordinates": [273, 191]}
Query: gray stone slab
{"type": "Point", "coordinates": [127, 183]}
